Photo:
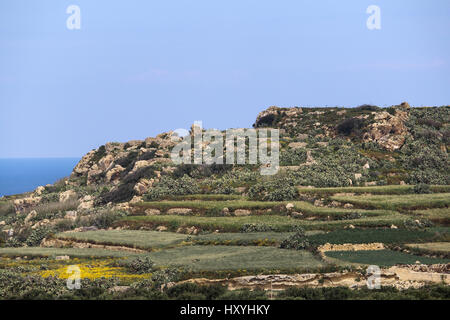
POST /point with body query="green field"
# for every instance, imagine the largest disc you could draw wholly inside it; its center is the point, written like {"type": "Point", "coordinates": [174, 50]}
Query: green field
{"type": "Point", "coordinates": [129, 238]}
{"type": "Point", "coordinates": [440, 214]}
{"type": "Point", "coordinates": [214, 208]}
{"type": "Point", "coordinates": [386, 236]}
{"type": "Point", "coordinates": [71, 252]}
{"type": "Point", "coordinates": [432, 247]}
{"type": "Point", "coordinates": [234, 224]}
{"type": "Point", "coordinates": [209, 258]}
{"type": "Point", "coordinates": [388, 190]}
{"type": "Point", "coordinates": [206, 197]}
{"type": "Point", "coordinates": [382, 258]}
{"type": "Point", "coordinates": [398, 202]}
{"type": "Point", "coordinates": [209, 207]}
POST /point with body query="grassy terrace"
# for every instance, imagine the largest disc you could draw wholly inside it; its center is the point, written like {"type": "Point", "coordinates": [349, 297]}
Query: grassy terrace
{"type": "Point", "coordinates": [214, 208]}
{"type": "Point", "coordinates": [386, 236]}
{"type": "Point", "coordinates": [441, 215]}
{"type": "Point", "coordinates": [128, 238]}
{"type": "Point", "coordinates": [438, 247]}
{"type": "Point", "coordinates": [382, 258]}
{"type": "Point", "coordinates": [158, 240]}
{"type": "Point", "coordinates": [71, 252]}
{"type": "Point", "coordinates": [380, 190]}
{"type": "Point", "coordinates": [402, 202]}
{"type": "Point", "coordinates": [215, 258]}
{"type": "Point", "coordinates": [206, 197]}
{"type": "Point", "coordinates": [234, 224]}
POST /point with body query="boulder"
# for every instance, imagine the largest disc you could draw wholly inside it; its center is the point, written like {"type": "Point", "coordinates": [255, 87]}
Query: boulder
{"type": "Point", "coordinates": [143, 186]}
{"type": "Point", "coordinates": [241, 212]}
{"type": "Point", "coordinates": [72, 215]}
{"type": "Point", "coordinates": [30, 216]}
{"type": "Point", "coordinates": [297, 145]}
{"type": "Point", "coordinates": [62, 258]}
{"type": "Point", "coordinates": [66, 196]}
{"type": "Point", "coordinates": [21, 205]}
{"type": "Point", "coordinates": [113, 175]}
{"type": "Point", "coordinates": [39, 190]}
{"type": "Point", "coordinates": [179, 211]}
{"type": "Point", "coordinates": [152, 212]}
{"type": "Point", "coordinates": [389, 131]}
{"type": "Point", "coordinates": [290, 206]}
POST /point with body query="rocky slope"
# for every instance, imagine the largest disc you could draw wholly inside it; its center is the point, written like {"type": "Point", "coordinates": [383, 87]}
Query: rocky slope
{"type": "Point", "coordinates": [321, 147]}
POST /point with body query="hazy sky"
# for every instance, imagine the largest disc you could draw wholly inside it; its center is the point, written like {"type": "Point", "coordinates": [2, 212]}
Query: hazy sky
{"type": "Point", "coordinates": [138, 68]}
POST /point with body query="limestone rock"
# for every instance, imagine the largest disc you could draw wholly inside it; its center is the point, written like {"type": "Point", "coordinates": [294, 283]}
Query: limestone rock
{"type": "Point", "coordinates": [72, 215]}
{"type": "Point", "coordinates": [152, 212]}
{"type": "Point", "coordinates": [241, 212]}
{"type": "Point", "coordinates": [66, 196]}
{"type": "Point", "coordinates": [389, 131]}
{"type": "Point", "coordinates": [179, 211]}
{"type": "Point", "coordinates": [30, 216]}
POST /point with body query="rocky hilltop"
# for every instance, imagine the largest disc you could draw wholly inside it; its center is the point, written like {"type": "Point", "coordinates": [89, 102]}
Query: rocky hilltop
{"type": "Point", "coordinates": [320, 147]}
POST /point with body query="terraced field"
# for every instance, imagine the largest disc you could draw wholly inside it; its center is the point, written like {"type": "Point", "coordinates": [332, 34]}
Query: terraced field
{"type": "Point", "coordinates": [383, 258]}
{"type": "Point", "coordinates": [53, 252]}
{"type": "Point", "coordinates": [224, 258]}
{"type": "Point", "coordinates": [398, 202]}
{"type": "Point", "coordinates": [130, 238]}
{"type": "Point", "coordinates": [376, 190]}
{"type": "Point", "coordinates": [209, 239]}
{"type": "Point", "coordinates": [276, 223]}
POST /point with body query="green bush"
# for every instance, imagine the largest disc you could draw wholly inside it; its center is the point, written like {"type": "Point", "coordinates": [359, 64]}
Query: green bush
{"type": "Point", "coordinates": [105, 219]}
{"type": "Point", "coordinates": [168, 186]}
{"type": "Point", "coordinates": [275, 190]}
{"type": "Point", "coordinates": [422, 188]}
{"type": "Point", "coordinates": [37, 235]}
{"type": "Point", "coordinates": [297, 241]}
{"type": "Point", "coordinates": [141, 265]}
{"type": "Point", "coordinates": [251, 227]}
{"type": "Point", "coordinates": [292, 157]}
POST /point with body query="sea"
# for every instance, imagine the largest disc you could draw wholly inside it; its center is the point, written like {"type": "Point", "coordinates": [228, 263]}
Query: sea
{"type": "Point", "coordinates": [26, 174]}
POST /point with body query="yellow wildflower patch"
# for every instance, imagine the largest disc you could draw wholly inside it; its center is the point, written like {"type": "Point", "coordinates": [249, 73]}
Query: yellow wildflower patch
{"type": "Point", "coordinates": [93, 270]}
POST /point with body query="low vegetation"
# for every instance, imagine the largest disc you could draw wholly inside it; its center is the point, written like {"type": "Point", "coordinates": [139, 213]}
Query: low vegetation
{"type": "Point", "coordinates": [383, 258]}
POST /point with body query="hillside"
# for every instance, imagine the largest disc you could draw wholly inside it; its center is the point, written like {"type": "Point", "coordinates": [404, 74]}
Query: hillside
{"type": "Point", "coordinates": [354, 187]}
{"type": "Point", "coordinates": [319, 147]}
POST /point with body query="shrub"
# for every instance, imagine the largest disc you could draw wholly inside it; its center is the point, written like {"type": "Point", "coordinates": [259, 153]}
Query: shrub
{"type": "Point", "coordinates": [201, 171]}
{"type": "Point", "coordinates": [430, 123]}
{"type": "Point", "coordinates": [367, 107]}
{"type": "Point", "coordinates": [350, 126]}
{"type": "Point", "coordinates": [37, 235]}
{"type": "Point", "coordinates": [251, 227]}
{"type": "Point", "coordinates": [275, 190]}
{"type": "Point", "coordinates": [122, 193]}
{"type": "Point", "coordinates": [99, 153]}
{"type": "Point", "coordinates": [173, 187]}
{"type": "Point", "coordinates": [297, 241]}
{"type": "Point", "coordinates": [141, 265]}
{"type": "Point", "coordinates": [422, 188]}
{"type": "Point", "coordinates": [292, 157]}
{"type": "Point", "coordinates": [417, 224]}
{"type": "Point", "coordinates": [6, 208]}
{"type": "Point", "coordinates": [105, 219]}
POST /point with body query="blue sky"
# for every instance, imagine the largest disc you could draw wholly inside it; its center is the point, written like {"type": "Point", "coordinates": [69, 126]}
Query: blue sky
{"type": "Point", "coordinates": [138, 68]}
